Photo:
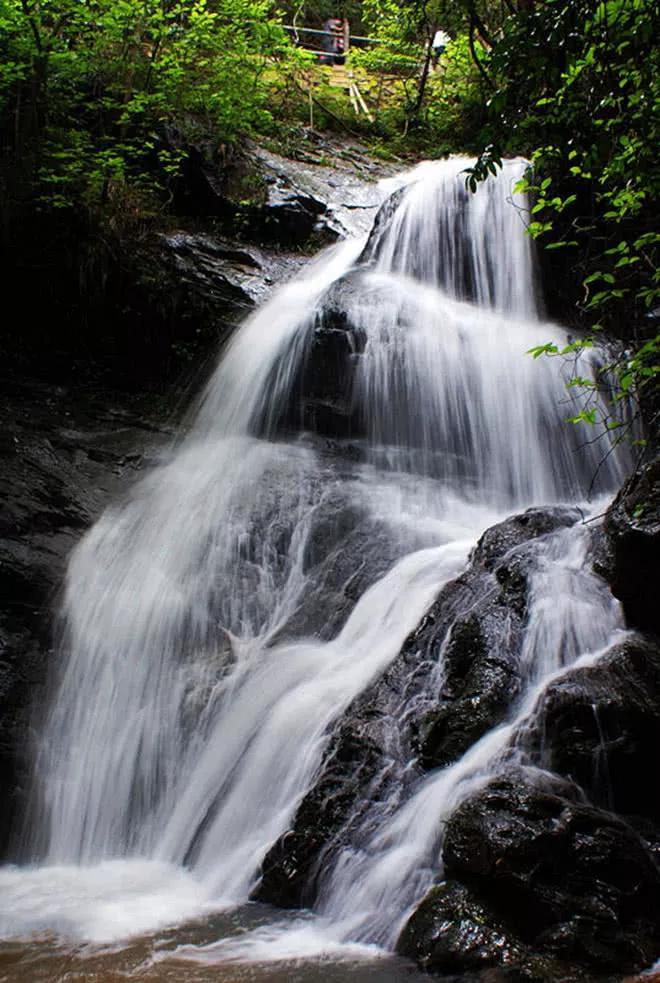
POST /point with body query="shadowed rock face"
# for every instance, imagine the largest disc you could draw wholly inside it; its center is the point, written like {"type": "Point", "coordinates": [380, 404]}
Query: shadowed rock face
{"type": "Point", "coordinates": [600, 726]}
{"type": "Point", "coordinates": [149, 301]}
{"type": "Point", "coordinates": [321, 397]}
{"type": "Point", "coordinates": [537, 879]}
{"type": "Point", "coordinates": [401, 717]}
{"type": "Point", "coordinates": [261, 197]}
{"type": "Point", "coordinates": [631, 559]}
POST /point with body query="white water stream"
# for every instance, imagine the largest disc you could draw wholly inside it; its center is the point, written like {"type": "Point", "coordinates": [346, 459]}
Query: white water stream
{"type": "Point", "coordinates": [212, 637]}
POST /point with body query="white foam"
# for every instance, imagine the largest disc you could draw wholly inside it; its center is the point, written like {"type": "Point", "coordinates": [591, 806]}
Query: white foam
{"type": "Point", "coordinates": [100, 903]}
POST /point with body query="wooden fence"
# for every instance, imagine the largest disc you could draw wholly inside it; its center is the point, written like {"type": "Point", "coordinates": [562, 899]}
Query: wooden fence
{"type": "Point", "coordinates": [341, 74]}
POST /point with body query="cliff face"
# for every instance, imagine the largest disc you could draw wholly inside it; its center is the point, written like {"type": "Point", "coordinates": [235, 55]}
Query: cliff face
{"type": "Point", "coordinates": [142, 298]}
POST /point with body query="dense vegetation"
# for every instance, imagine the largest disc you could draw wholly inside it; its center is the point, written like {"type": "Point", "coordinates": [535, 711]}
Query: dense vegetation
{"type": "Point", "coordinates": [89, 89]}
{"type": "Point", "coordinates": [100, 102]}
{"type": "Point", "coordinates": [576, 87]}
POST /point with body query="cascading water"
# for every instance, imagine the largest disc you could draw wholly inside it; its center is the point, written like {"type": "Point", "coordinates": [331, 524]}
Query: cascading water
{"type": "Point", "coordinates": [219, 621]}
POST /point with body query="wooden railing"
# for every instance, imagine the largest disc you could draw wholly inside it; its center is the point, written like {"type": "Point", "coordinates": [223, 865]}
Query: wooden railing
{"type": "Point", "coordinates": [314, 32]}
{"type": "Point", "coordinates": [342, 74]}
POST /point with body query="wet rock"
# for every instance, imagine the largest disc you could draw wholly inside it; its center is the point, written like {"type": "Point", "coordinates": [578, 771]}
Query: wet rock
{"type": "Point", "coordinates": [455, 932]}
{"type": "Point", "coordinates": [367, 761]}
{"type": "Point", "coordinates": [497, 541]}
{"type": "Point", "coordinates": [380, 228]}
{"type": "Point", "coordinates": [293, 869]}
{"type": "Point", "coordinates": [324, 391]}
{"type": "Point", "coordinates": [481, 654]}
{"type": "Point", "coordinates": [321, 398]}
{"type": "Point", "coordinates": [470, 704]}
{"type": "Point", "coordinates": [359, 553]}
{"type": "Point", "coordinates": [337, 183]}
{"type": "Point", "coordinates": [631, 558]}
{"type": "Point", "coordinates": [401, 724]}
{"type": "Point", "coordinates": [542, 875]}
{"type": "Point", "coordinates": [600, 726]}
{"type": "Point", "coordinates": [271, 200]}
{"type": "Point", "coordinates": [213, 271]}
{"type": "Point", "coordinates": [251, 194]}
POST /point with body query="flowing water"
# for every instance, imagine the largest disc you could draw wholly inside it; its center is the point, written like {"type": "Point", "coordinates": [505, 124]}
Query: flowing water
{"type": "Point", "coordinates": [223, 617]}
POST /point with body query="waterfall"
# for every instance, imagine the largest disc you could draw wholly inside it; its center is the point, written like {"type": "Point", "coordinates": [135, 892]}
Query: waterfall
{"type": "Point", "coordinates": [220, 619]}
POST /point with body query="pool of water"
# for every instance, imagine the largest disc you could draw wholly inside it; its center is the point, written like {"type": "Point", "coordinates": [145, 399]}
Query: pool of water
{"type": "Point", "coordinates": [179, 956]}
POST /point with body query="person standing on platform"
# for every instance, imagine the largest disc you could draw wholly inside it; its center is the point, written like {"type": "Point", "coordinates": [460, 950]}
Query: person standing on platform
{"type": "Point", "coordinates": [440, 42]}
{"type": "Point", "coordinates": [330, 28]}
{"type": "Point", "coordinates": [334, 43]}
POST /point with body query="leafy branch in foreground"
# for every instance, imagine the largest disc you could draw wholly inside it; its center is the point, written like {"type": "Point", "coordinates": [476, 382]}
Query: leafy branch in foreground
{"type": "Point", "coordinates": [626, 381]}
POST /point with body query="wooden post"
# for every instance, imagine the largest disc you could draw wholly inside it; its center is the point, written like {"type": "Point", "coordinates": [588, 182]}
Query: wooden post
{"type": "Point", "coordinates": [351, 94]}
{"type": "Point", "coordinates": [362, 103]}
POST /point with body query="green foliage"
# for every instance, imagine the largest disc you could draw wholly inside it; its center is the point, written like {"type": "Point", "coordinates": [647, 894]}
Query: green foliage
{"type": "Point", "coordinates": [487, 163]}
{"type": "Point", "coordinates": [91, 87]}
{"type": "Point", "coordinates": [453, 112]}
{"type": "Point", "coordinates": [312, 13]}
{"type": "Point", "coordinates": [395, 26]}
{"type": "Point", "coordinates": [577, 88]}
{"type": "Point", "coordinates": [91, 90]}
{"type": "Point", "coordinates": [632, 377]}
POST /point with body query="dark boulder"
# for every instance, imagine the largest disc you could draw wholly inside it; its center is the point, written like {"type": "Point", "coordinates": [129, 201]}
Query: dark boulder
{"type": "Point", "coordinates": [499, 540]}
{"type": "Point", "coordinates": [481, 676]}
{"type": "Point", "coordinates": [321, 398]}
{"type": "Point", "coordinates": [630, 560]}
{"type": "Point", "coordinates": [543, 875]}
{"type": "Point", "coordinates": [600, 726]}
{"type": "Point", "coordinates": [457, 935]}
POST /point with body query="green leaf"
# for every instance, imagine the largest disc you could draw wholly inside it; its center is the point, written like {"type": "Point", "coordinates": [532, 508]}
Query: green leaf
{"type": "Point", "coordinates": [548, 349]}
